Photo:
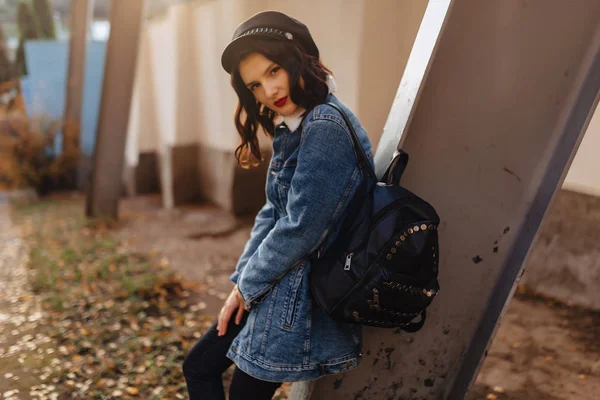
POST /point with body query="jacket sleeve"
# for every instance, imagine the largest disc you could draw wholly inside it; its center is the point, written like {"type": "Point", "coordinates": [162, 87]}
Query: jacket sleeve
{"type": "Point", "coordinates": [325, 175]}
{"type": "Point", "coordinates": [263, 223]}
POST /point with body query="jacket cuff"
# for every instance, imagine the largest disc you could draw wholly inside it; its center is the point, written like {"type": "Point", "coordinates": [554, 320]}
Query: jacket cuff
{"type": "Point", "coordinates": [258, 297]}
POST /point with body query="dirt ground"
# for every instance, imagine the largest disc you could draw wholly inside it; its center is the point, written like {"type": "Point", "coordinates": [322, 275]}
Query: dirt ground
{"type": "Point", "coordinates": [543, 350]}
{"type": "Point", "coordinates": [201, 242]}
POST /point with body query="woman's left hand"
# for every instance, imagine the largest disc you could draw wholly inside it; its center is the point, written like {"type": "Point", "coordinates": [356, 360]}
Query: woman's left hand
{"type": "Point", "coordinates": [234, 303]}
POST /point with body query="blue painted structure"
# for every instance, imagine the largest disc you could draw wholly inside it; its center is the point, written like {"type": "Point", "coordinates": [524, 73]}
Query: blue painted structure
{"type": "Point", "coordinates": [44, 88]}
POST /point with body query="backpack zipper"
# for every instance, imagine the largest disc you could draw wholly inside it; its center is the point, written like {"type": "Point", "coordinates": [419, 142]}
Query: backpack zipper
{"type": "Point", "coordinates": [381, 214]}
{"type": "Point", "coordinates": [348, 262]}
{"type": "Point", "coordinates": [378, 217]}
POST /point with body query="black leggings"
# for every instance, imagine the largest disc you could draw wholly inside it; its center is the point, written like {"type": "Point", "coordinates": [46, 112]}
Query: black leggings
{"type": "Point", "coordinates": [206, 362]}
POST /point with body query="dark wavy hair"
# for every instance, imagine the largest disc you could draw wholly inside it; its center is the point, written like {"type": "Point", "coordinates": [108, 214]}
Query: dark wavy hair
{"type": "Point", "coordinates": [250, 113]}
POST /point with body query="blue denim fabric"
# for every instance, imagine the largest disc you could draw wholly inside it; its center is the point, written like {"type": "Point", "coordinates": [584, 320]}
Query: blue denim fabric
{"type": "Point", "coordinates": [310, 182]}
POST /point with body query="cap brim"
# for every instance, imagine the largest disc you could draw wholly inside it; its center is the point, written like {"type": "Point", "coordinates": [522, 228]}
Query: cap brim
{"type": "Point", "coordinates": [235, 47]}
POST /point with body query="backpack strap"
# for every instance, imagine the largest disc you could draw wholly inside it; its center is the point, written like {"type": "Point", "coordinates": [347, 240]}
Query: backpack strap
{"type": "Point", "coordinates": [399, 160]}
{"type": "Point", "coordinates": [394, 171]}
{"type": "Point", "coordinates": [363, 161]}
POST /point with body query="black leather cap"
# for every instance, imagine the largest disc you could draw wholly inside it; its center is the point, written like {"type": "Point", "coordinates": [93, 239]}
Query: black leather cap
{"type": "Point", "coordinates": [273, 24]}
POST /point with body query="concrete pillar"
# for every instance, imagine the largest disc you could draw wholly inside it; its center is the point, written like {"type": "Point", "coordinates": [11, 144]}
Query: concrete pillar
{"type": "Point", "coordinates": [186, 187]}
{"type": "Point", "coordinates": [506, 97]}
{"type": "Point", "coordinates": [163, 75]}
{"type": "Point", "coordinates": [109, 153]}
{"type": "Point", "coordinates": [81, 14]}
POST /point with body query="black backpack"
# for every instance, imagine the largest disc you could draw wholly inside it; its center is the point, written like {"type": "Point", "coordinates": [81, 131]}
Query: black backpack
{"type": "Point", "coordinates": [382, 268]}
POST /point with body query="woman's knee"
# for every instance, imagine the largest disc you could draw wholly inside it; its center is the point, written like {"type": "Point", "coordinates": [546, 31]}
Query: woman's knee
{"type": "Point", "coordinates": [188, 367]}
{"type": "Point", "coordinates": [208, 358]}
{"type": "Point", "coordinates": [195, 367]}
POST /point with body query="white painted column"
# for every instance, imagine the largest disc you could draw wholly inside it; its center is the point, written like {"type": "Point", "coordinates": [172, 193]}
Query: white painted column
{"type": "Point", "coordinates": [163, 57]}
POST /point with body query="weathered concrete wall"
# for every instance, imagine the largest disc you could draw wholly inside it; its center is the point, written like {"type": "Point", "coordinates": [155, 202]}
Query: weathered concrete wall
{"type": "Point", "coordinates": [564, 262]}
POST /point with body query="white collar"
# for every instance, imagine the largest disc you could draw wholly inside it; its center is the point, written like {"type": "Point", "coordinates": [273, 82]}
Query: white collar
{"type": "Point", "coordinates": [294, 120]}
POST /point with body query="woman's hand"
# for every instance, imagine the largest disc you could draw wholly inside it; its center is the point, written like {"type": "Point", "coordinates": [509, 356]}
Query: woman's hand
{"type": "Point", "coordinates": [234, 303]}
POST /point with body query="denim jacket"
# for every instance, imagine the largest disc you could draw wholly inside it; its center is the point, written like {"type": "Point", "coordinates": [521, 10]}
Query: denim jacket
{"type": "Point", "coordinates": [311, 179]}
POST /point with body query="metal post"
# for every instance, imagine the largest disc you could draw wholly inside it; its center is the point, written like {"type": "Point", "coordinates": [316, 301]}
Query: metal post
{"type": "Point", "coordinates": [505, 100]}
{"type": "Point", "coordinates": [109, 152]}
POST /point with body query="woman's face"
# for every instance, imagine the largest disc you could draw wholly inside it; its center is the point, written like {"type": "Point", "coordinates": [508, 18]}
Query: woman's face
{"type": "Point", "coordinates": [269, 83]}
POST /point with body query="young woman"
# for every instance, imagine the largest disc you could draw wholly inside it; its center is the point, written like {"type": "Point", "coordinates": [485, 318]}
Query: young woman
{"type": "Point", "coordinates": [269, 326]}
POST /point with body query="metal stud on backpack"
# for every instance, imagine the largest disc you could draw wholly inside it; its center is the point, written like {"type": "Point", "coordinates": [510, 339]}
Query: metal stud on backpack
{"type": "Point", "coordinates": [382, 268]}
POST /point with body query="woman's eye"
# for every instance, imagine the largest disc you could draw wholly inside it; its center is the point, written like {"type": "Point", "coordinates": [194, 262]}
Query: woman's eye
{"type": "Point", "coordinates": [253, 87]}
{"type": "Point", "coordinates": [274, 70]}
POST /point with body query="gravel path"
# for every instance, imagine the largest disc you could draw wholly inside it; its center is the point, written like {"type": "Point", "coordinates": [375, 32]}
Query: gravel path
{"type": "Point", "coordinates": [24, 350]}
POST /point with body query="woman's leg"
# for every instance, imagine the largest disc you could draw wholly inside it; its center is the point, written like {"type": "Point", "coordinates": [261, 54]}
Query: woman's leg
{"type": "Point", "coordinates": [245, 387]}
{"type": "Point", "coordinates": [206, 362]}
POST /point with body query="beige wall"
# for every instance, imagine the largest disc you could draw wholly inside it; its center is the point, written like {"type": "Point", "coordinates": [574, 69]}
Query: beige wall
{"type": "Point", "coordinates": [212, 23]}
{"type": "Point", "coordinates": [389, 31]}
{"type": "Point", "coordinates": [584, 174]}
{"type": "Point", "coordinates": [142, 117]}
{"type": "Point", "coordinates": [163, 64]}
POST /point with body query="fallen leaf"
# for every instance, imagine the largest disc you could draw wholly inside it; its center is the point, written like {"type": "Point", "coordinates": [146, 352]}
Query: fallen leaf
{"type": "Point", "coordinates": [498, 389]}
{"type": "Point", "coordinates": [132, 390]}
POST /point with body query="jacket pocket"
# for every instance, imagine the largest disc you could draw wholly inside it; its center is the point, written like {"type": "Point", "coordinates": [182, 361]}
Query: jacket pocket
{"type": "Point", "coordinates": [285, 174]}
{"type": "Point", "coordinates": [292, 296]}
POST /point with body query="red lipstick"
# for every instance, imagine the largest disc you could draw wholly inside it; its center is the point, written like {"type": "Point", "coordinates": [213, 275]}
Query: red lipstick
{"type": "Point", "coordinates": [281, 102]}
